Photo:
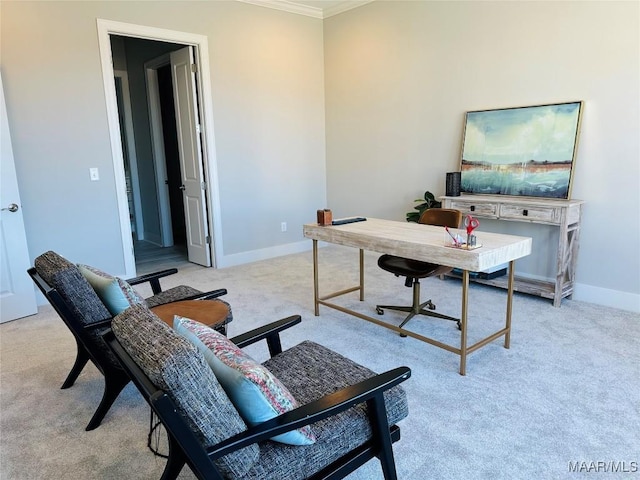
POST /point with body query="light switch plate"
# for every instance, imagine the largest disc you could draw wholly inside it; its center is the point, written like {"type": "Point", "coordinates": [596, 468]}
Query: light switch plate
{"type": "Point", "coordinates": [94, 175]}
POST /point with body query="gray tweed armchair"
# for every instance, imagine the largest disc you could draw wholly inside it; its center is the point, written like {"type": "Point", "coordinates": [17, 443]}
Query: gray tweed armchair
{"type": "Point", "coordinates": [88, 316]}
{"type": "Point", "coordinates": [350, 412]}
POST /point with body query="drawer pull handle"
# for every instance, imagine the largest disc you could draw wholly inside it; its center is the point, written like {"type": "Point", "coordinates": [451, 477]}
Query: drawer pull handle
{"type": "Point", "coordinates": [525, 213]}
{"type": "Point", "coordinates": [472, 208]}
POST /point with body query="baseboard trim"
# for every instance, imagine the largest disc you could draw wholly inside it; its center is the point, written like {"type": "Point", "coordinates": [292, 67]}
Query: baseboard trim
{"type": "Point", "coordinates": [609, 298]}
{"type": "Point", "coordinates": [153, 238]}
{"type": "Point", "coordinates": [263, 254]}
{"type": "Point", "coordinates": [600, 296]}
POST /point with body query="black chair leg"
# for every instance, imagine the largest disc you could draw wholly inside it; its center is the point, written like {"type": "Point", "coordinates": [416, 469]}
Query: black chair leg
{"type": "Point", "coordinates": [221, 329]}
{"type": "Point", "coordinates": [82, 357]}
{"type": "Point", "coordinates": [175, 461]}
{"type": "Point", "coordinates": [382, 436]}
{"type": "Point", "coordinates": [427, 308]}
{"type": "Point", "coordinates": [113, 385]}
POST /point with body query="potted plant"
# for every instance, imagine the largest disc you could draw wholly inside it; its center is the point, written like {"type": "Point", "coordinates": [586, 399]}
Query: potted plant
{"type": "Point", "coordinates": [429, 201]}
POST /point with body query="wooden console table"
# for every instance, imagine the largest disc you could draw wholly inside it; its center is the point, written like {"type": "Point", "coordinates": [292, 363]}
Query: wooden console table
{"type": "Point", "coordinates": [564, 214]}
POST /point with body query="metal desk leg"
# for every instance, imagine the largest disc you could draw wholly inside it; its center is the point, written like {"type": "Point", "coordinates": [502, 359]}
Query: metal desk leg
{"type": "Point", "coordinates": [463, 322]}
{"type": "Point", "coordinates": [507, 335]}
{"type": "Point", "coordinates": [361, 275]}
{"type": "Point", "coordinates": [316, 295]}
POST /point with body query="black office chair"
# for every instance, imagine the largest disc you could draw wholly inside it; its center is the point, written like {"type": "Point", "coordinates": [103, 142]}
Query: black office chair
{"type": "Point", "coordinates": [414, 270]}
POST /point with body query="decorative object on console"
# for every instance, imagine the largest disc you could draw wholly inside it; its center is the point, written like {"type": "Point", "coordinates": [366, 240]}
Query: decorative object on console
{"type": "Point", "coordinates": [525, 151]}
{"type": "Point", "coordinates": [453, 184]}
{"type": "Point", "coordinates": [427, 202]}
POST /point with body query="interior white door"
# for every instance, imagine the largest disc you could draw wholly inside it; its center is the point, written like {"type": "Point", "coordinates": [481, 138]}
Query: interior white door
{"type": "Point", "coordinates": [190, 151]}
{"type": "Point", "coordinates": [17, 294]}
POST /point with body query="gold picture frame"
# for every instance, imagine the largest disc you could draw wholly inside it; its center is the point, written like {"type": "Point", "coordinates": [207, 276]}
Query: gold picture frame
{"type": "Point", "coordinates": [524, 151]}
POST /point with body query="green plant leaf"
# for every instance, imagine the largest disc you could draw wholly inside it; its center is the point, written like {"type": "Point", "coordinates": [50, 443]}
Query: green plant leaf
{"type": "Point", "coordinates": [413, 217]}
{"type": "Point", "coordinates": [429, 201]}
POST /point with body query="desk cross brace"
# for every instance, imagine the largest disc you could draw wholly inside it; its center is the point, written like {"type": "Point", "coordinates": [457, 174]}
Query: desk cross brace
{"type": "Point", "coordinates": [463, 351]}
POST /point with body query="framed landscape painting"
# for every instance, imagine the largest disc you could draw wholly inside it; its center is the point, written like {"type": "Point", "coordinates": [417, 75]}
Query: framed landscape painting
{"type": "Point", "coordinates": [524, 151]}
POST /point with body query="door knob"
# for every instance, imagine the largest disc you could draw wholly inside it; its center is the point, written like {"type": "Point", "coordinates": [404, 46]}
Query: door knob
{"type": "Point", "coordinates": [182, 187]}
{"type": "Point", "coordinates": [12, 208]}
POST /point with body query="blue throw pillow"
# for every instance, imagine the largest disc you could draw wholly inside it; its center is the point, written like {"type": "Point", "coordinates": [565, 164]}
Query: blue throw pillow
{"type": "Point", "coordinates": [255, 392]}
{"type": "Point", "coordinates": [115, 293]}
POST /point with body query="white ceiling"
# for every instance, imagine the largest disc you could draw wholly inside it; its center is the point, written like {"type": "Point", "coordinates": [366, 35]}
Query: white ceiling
{"type": "Point", "coordinates": [311, 8]}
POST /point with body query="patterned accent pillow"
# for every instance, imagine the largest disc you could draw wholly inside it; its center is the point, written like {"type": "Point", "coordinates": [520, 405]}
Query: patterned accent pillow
{"type": "Point", "coordinates": [176, 366]}
{"type": "Point", "coordinates": [115, 293]}
{"type": "Point", "coordinates": [256, 393]}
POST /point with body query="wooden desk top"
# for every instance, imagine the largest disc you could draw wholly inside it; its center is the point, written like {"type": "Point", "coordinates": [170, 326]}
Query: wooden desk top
{"type": "Point", "coordinates": [422, 242]}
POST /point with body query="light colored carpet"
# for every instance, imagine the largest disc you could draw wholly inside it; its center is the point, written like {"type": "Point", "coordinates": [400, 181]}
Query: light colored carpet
{"type": "Point", "coordinates": [566, 395]}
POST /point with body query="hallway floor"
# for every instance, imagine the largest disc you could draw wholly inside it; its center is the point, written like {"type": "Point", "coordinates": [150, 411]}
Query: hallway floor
{"type": "Point", "coordinates": [151, 258]}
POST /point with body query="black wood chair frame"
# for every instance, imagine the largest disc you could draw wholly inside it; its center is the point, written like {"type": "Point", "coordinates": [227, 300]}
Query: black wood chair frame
{"type": "Point", "coordinates": [115, 378]}
{"type": "Point", "coordinates": [186, 448]}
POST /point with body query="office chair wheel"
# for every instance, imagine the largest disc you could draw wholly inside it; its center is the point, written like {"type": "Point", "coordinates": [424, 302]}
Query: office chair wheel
{"type": "Point", "coordinates": [459, 325]}
{"type": "Point", "coordinates": [431, 306]}
{"type": "Point", "coordinates": [379, 311]}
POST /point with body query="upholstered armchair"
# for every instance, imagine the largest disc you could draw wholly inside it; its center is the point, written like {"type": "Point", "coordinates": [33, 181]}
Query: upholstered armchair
{"type": "Point", "coordinates": [329, 415]}
{"type": "Point", "coordinates": [87, 311]}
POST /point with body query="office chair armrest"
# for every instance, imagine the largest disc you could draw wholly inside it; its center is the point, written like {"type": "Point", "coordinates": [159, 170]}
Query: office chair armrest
{"type": "Point", "coordinates": [369, 390]}
{"type": "Point", "coordinates": [153, 279]}
{"type": "Point", "coordinates": [269, 332]}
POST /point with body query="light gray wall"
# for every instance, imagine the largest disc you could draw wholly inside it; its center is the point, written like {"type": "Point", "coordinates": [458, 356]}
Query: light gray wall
{"type": "Point", "coordinates": [269, 125]}
{"type": "Point", "coordinates": [397, 77]}
{"type": "Point", "coordinates": [400, 76]}
{"type": "Point", "coordinates": [268, 104]}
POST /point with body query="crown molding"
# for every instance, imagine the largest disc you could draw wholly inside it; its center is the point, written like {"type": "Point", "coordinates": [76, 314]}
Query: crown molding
{"type": "Point", "coordinates": [343, 7]}
{"type": "Point", "coordinates": [307, 10]}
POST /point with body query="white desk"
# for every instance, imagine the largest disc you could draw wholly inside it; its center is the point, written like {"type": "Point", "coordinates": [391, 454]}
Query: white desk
{"type": "Point", "coordinates": [426, 243]}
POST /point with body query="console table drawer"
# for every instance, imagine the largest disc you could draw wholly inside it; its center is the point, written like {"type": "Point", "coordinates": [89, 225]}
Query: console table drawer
{"type": "Point", "coordinates": [533, 214]}
{"type": "Point", "coordinates": [479, 209]}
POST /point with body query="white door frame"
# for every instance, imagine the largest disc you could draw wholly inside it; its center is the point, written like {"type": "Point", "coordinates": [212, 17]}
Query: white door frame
{"type": "Point", "coordinates": [157, 147]}
{"type": "Point", "coordinates": [201, 47]}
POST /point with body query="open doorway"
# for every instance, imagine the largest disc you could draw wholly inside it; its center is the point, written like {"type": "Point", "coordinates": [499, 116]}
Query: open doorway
{"type": "Point", "coordinates": [164, 165]}
{"type": "Point", "coordinates": [172, 251]}
{"type": "Point", "coordinates": [108, 29]}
